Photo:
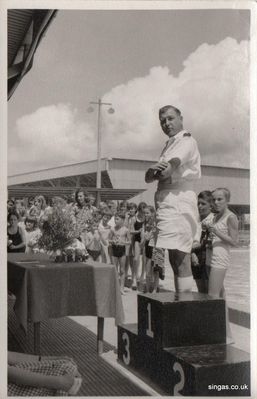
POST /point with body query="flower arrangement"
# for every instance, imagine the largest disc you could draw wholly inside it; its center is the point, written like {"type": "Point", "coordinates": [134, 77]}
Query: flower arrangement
{"type": "Point", "coordinates": [60, 234]}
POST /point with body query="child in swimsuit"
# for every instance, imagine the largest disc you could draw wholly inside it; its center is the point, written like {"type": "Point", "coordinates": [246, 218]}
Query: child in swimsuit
{"type": "Point", "coordinates": [119, 237]}
{"type": "Point", "coordinates": [104, 230]}
{"type": "Point", "coordinates": [147, 231]}
{"type": "Point", "coordinates": [224, 230]}
{"type": "Point", "coordinates": [92, 239]}
{"type": "Point", "coordinates": [136, 232]}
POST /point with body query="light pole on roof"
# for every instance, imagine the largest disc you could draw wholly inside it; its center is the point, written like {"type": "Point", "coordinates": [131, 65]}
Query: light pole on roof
{"type": "Point", "coordinates": [99, 103]}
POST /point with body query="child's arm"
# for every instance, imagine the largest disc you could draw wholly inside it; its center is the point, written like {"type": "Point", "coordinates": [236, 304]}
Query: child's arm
{"type": "Point", "coordinates": [127, 237]}
{"type": "Point", "coordinates": [135, 231]}
{"type": "Point", "coordinates": [18, 357]}
{"type": "Point", "coordinates": [143, 235]}
{"type": "Point", "coordinates": [89, 238]}
{"type": "Point", "coordinates": [33, 379]}
{"type": "Point", "coordinates": [196, 245]}
{"type": "Point", "coordinates": [83, 238]}
{"type": "Point", "coordinates": [103, 241]}
{"type": "Point", "coordinates": [111, 237]}
{"type": "Point", "coordinates": [34, 239]}
{"type": "Point", "coordinates": [232, 237]}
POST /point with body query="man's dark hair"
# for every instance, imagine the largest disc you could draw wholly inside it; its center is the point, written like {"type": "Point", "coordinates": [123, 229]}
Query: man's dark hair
{"type": "Point", "coordinates": [166, 107]}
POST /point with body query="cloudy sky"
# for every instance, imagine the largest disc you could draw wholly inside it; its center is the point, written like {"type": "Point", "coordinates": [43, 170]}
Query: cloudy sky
{"type": "Point", "coordinates": [137, 60]}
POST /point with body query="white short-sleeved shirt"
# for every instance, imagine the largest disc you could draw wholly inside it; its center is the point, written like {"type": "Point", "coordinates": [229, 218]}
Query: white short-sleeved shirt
{"type": "Point", "coordinates": [176, 202]}
{"type": "Point", "coordinates": [184, 147]}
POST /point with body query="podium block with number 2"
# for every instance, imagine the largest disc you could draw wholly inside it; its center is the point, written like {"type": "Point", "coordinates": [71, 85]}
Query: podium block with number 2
{"type": "Point", "coordinates": [179, 345]}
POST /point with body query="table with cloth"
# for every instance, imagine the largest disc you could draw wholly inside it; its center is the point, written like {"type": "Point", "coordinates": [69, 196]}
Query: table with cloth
{"type": "Point", "coordinates": [45, 290]}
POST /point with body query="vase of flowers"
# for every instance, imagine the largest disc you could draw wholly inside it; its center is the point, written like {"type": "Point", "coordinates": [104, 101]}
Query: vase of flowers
{"type": "Point", "coordinates": [60, 235]}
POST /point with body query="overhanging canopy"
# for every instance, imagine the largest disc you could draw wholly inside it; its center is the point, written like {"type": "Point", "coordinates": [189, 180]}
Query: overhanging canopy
{"type": "Point", "coordinates": [106, 193]}
{"type": "Point", "coordinates": [25, 31]}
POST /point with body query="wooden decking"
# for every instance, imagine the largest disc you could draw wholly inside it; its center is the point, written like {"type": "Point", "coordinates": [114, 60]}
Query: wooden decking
{"type": "Point", "coordinates": [66, 337]}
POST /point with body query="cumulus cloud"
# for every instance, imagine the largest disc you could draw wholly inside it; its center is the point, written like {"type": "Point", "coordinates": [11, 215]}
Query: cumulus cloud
{"type": "Point", "coordinates": [52, 136]}
{"type": "Point", "coordinates": [212, 91]}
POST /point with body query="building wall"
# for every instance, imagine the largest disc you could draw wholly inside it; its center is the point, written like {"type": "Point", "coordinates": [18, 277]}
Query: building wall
{"type": "Point", "coordinates": [130, 174]}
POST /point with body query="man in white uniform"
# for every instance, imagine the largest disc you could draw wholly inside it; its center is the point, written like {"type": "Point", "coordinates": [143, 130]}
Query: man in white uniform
{"type": "Point", "coordinates": [175, 200]}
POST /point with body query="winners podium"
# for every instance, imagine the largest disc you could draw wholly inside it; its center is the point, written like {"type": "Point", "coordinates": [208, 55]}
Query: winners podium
{"type": "Point", "coordinates": [179, 344]}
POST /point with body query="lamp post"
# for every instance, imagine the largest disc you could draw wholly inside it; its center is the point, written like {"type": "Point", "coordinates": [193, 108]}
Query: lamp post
{"type": "Point", "coordinates": [99, 103]}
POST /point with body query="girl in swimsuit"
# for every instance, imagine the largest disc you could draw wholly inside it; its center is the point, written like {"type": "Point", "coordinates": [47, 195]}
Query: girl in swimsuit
{"type": "Point", "coordinates": [16, 236]}
{"type": "Point", "coordinates": [224, 230]}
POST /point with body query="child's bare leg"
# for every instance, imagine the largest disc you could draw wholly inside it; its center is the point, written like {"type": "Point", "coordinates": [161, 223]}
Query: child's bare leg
{"type": "Point", "coordinates": [156, 281]}
{"type": "Point", "coordinates": [136, 264]}
{"type": "Point", "coordinates": [133, 269]}
{"type": "Point", "coordinates": [216, 280]}
{"type": "Point", "coordinates": [127, 261]}
{"type": "Point", "coordinates": [149, 274]}
{"type": "Point", "coordinates": [202, 285]}
{"type": "Point", "coordinates": [126, 266]}
{"type": "Point", "coordinates": [115, 262]}
{"type": "Point", "coordinates": [122, 261]}
{"type": "Point", "coordinates": [110, 254]}
{"type": "Point", "coordinates": [143, 271]}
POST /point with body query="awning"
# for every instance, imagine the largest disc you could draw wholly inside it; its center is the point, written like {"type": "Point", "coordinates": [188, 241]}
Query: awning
{"type": "Point", "coordinates": [49, 192]}
{"type": "Point", "coordinates": [25, 31]}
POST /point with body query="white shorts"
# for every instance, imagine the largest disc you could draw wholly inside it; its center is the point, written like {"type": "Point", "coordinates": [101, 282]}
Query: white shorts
{"type": "Point", "coordinates": [176, 219]}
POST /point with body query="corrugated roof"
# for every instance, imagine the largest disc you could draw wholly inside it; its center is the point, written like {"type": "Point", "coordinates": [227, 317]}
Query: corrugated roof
{"type": "Point", "coordinates": [18, 24]}
{"type": "Point", "coordinates": [85, 180]}
{"type": "Point", "coordinates": [49, 192]}
{"type": "Point", "coordinates": [25, 31]}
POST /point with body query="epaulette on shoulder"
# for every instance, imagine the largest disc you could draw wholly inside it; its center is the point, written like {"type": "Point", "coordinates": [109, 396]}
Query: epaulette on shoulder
{"type": "Point", "coordinates": [187, 134]}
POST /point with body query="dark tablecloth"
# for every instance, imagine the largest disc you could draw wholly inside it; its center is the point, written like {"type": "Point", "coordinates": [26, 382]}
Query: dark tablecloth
{"type": "Point", "coordinates": [45, 289]}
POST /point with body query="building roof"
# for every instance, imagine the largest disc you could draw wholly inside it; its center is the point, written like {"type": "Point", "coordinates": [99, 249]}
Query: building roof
{"type": "Point", "coordinates": [105, 193]}
{"type": "Point", "coordinates": [64, 180]}
{"type": "Point", "coordinates": [25, 31]}
{"type": "Point", "coordinates": [120, 179]}
{"type": "Point", "coordinates": [78, 168]}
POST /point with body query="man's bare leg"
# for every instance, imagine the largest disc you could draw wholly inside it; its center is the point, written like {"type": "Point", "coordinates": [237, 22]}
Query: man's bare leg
{"type": "Point", "coordinates": [181, 265]}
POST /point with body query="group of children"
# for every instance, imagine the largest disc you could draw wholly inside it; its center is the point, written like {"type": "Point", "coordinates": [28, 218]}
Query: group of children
{"type": "Point", "coordinates": [122, 239]}
{"type": "Point", "coordinates": [211, 249]}
{"type": "Point", "coordinates": [122, 236]}
{"type": "Point", "coordinates": [117, 234]}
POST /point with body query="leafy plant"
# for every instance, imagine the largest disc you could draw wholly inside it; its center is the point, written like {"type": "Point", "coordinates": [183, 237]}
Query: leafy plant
{"type": "Point", "coordinates": [58, 230]}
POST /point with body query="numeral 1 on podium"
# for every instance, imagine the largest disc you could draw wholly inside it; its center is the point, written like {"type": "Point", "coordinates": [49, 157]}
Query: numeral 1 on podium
{"type": "Point", "coordinates": [149, 331]}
